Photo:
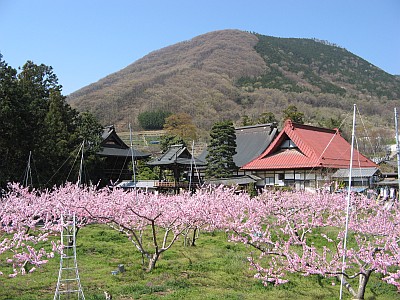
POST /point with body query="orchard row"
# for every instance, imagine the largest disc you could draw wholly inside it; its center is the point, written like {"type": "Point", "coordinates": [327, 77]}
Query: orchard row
{"type": "Point", "coordinates": [294, 232]}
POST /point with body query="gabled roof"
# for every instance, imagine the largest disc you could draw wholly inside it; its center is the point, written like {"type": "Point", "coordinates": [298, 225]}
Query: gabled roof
{"type": "Point", "coordinates": [251, 141]}
{"type": "Point", "coordinates": [111, 139]}
{"type": "Point", "coordinates": [176, 155]}
{"type": "Point", "coordinates": [315, 147]}
{"type": "Point", "coordinates": [112, 145]}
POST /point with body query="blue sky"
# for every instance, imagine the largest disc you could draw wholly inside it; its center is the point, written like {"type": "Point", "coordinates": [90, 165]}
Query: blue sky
{"type": "Point", "coordinates": [85, 41]}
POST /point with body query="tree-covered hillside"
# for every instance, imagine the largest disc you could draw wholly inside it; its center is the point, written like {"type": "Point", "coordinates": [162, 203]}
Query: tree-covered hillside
{"type": "Point", "coordinates": [229, 74]}
{"type": "Point", "coordinates": [317, 66]}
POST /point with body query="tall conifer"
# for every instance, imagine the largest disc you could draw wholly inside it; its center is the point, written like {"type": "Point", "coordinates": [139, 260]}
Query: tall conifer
{"type": "Point", "coordinates": [221, 150]}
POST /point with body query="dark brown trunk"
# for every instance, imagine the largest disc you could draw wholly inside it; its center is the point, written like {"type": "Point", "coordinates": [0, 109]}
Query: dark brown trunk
{"type": "Point", "coordinates": [193, 242]}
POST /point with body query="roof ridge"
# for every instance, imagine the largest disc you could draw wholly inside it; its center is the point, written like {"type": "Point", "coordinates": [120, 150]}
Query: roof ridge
{"type": "Point", "coordinates": [313, 142]}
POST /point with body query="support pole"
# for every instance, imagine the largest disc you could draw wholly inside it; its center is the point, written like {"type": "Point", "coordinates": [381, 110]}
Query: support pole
{"type": "Point", "coordinates": [132, 157]}
{"type": "Point", "coordinates": [348, 202]}
{"type": "Point", "coordinates": [397, 147]}
{"type": "Point", "coordinates": [81, 165]}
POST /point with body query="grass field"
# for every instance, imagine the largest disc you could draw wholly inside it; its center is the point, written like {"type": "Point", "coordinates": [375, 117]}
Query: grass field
{"type": "Point", "coordinates": [214, 269]}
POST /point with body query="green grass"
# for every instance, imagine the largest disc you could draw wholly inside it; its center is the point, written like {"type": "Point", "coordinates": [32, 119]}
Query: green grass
{"type": "Point", "coordinates": [214, 269]}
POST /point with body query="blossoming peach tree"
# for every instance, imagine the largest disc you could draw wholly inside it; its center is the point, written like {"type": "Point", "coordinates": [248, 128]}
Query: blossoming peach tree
{"type": "Point", "coordinates": [304, 233]}
{"type": "Point", "coordinates": [18, 220]}
{"type": "Point", "coordinates": [292, 232]}
{"type": "Point", "coordinates": [151, 222]}
{"type": "Point", "coordinates": [29, 217]}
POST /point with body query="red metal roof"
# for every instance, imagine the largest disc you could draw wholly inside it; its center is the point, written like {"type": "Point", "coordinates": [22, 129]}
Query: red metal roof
{"type": "Point", "coordinates": [316, 147]}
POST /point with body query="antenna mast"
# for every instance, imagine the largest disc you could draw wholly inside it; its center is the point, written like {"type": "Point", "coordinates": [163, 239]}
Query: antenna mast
{"type": "Point", "coordinates": [191, 167]}
{"type": "Point", "coordinates": [68, 283]}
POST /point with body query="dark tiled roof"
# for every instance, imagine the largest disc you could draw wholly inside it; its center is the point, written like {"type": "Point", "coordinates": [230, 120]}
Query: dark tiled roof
{"type": "Point", "coordinates": [111, 139]}
{"type": "Point", "coordinates": [251, 141]}
{"type": "Point", "coordinates": [112, 145]}
{"type": "Point", "coordinates": [107, 151]}
{"type": "Point", "coordinates": [178, 155]}
{"type": "Point", "coordinates": [355, 172]}
{"type": "Point", "coordinates": [238, 180]}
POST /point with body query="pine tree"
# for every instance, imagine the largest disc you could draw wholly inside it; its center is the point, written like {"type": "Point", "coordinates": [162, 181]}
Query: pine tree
{"type": "Point", "coordinates": [266, 117]}
{"type": "Point", "coordinates": [292, 113]}
{"type": "Point", "coordinates": [35, 118]}
{"type": "Point", "coordinates": [221, 150]}
{"type": "Point", "coordinates": [11, 124]}
{"type": "Point", "coordinates": [168, 140]}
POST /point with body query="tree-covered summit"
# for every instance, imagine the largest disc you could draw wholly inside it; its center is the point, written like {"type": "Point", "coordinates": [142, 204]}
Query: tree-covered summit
{"type": "Point", "coordinates": [298, 65]}
{"type": "Point", "coordinates": [228, 74]}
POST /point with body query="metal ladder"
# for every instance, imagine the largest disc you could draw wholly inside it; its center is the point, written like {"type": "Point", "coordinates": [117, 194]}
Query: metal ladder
{"type": "Point", "coordinates": [68, 284]}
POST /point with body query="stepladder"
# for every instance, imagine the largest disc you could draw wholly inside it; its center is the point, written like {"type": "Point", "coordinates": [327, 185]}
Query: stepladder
{"type": "Point", "coordinates": [68, 283]}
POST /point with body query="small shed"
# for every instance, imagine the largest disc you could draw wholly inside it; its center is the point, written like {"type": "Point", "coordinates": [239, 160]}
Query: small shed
{"type": "Point", "coordinates": [360, 177]}
{"type": "Point", "coordinates": [244, 182]}
{"type": "Point", "coordinates": [148, 186]}
{"type": "Point", "coordinates": [179, 161]}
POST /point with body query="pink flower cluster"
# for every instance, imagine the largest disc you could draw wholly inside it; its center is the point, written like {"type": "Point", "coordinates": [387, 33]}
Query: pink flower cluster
{"type": "Point", "coordinates": [293, 232]}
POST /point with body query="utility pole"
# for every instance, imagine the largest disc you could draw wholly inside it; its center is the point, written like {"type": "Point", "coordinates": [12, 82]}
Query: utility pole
{"type": "Point", "coordinates": [397, 147]}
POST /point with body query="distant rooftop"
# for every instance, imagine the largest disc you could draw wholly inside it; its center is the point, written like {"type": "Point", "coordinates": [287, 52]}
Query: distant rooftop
{"type": "Point", "coordinates": [251, 141]}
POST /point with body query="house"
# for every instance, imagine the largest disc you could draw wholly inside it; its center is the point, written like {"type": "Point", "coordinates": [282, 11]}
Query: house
{"type": "Point", "coordinates": [306, 157]}
{"type": "Point", "coordinates": [117, 156]}
{"type": "Point", "coordinates": [178, 161]}
{"type": "Point", "coordinates": [251, 141]}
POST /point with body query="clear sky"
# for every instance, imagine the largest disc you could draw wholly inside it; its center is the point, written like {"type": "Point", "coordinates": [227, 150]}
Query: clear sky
{"type": "Point", "coordinates": [85, 41]}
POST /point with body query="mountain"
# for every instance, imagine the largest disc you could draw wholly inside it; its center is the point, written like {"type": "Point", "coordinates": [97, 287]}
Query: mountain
{"type": "Point", "coordinates": [227, 74]}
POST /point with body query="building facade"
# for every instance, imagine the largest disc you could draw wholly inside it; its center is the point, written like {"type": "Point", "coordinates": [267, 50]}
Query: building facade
{"type": "Point", "coordinates": [305, 157]}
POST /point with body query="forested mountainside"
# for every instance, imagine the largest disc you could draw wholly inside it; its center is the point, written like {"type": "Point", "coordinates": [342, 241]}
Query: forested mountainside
{"type": "Point", "coordinates": [318, 66]}
{"type": "Point", "coordinates": [230, 73]}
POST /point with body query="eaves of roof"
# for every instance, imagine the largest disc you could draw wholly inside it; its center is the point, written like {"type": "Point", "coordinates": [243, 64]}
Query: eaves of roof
{"type": "Point", "coordinates": [240, 180]}
{"type": "Point", "coordinates": [179, 161]}
{"type": "Point", "coordinates": [316, 147]}
{"type": "Point", "coordinates": [355, 172]}
{"type": "Point", "coordinates": [116, 152]}
{"type": "Point", "coordinates": [287, 159]}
